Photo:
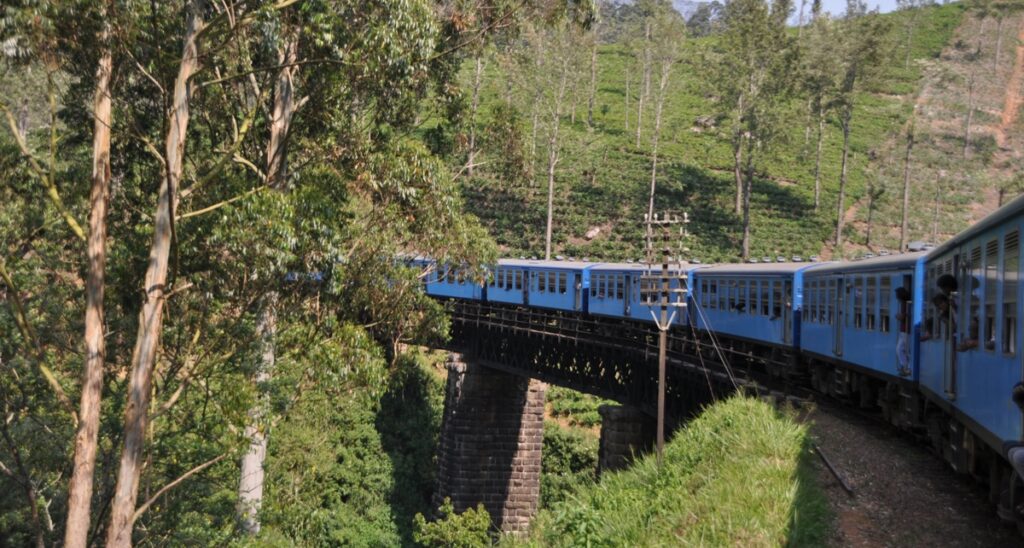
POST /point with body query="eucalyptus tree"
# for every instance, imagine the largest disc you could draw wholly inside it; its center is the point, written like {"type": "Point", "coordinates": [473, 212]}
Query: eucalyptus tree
{"type": "Point", "coordinates": [751, 78]}
{"type": "Point", "coordinates": [820, 80]}
{"type": "Point", "coordinates": [862, 50]}
{"type": "Point", "coordinates": [912, 9]}
{"type": "Point", "coordinates": [669, 34]}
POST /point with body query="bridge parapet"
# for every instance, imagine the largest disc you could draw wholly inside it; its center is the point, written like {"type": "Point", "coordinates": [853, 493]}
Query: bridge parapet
{"type": "Point", "coordinates": [492, 433]}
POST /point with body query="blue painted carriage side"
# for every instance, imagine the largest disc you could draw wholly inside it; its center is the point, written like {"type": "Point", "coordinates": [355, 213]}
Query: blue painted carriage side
{"type": "Point", "coordinates": [558, 285]}
{"type": "Point", "coordinates": [751, 301]}
{"type": "Point", "coordinates": [618, 290]}
{"type": "Point", "coordinates": [868, 339]}
{"type": "Point", "coordinates": [450, 282]}
{"type": "Point", "coordinates": [977, 382]}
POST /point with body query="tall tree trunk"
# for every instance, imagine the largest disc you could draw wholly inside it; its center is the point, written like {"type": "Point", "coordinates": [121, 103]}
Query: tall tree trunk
{"type": "Point", "coordinates": [647, 82]}
{"type": "Point", "coordinates": [250, 485]}
{"type": "Point", "coordinates": [553, 158]}
{"type": "Point", "coordinates": [592, 92]}
{"type": "Point", "coordinates": [970, 114]}
{"type": "Point", "coordinates": [533, 140]}
{"type": "Point", "coordinates": [841, 206]}
{"type": "Point", "coordinates": [737, 144]}
{"type": "Point", "coordinates": [817, 161]}
{"type": "Point", "coordinates": [800, 21]}
{"type": "Point", "coordinates": [658, 108]}
{"type": "Point", "coordinates": [999, 43]}
{"type": "Point", "coordinates": [625, 115]}
{"type": "Point", "coordinates": [905, 221]}
{"type": "Point", "coordinates": [747, 191]}
{"type": "Point", "coordinates": [76, 530]}
{"type": "Point", "coordinates": [474, 105]}
{"type": "Point", "coordinates": [122, 517]}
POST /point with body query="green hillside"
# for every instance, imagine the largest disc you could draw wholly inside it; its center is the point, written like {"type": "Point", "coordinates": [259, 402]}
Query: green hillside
{"type": "Point", "coordinates": [603, 178]}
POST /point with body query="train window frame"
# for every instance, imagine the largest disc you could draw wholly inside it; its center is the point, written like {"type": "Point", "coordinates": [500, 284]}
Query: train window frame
{"type": "Point", "coordinates": [753, 294]}
{"type": "Point", "coordinates": [885, 296]}
{"type": "Point", "coordinates": [1010, 279]}
{"type": "Point", "coordinates": [712, 294]}
{"type": "Point", "coordinates": [733, 294]}
{"type": "Point", "coordinates": [766, 298]}
{"type": "Point", "coordinates": [519, 279]}
{"type": "Point", "coordinates": [563, 282]}
{"type": "Point", "coordinates": [542, 282]}
{"type": "Point", "coordinates": [972, 298]}
{"type": "Point", "coordinates": [871, 302]}
{"type": "Point", "coordinates": [990, 291]}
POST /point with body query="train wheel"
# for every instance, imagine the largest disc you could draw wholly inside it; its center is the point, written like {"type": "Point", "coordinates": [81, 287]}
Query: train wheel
{"type": "Point", "coordinates": [1017, 501]}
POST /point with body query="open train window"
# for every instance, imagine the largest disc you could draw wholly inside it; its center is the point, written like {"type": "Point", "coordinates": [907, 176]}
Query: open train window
{"type": "Point", "coordinates": [776, 299]}
{"type": "Point", "coordinates": [542, 282]}
{"type": "Point", "coordinates": [1011, 268]}
{"type": "Point", "coordinates": [704, 293]}
{"type": "Point", "coordinates": [519, 279]}
{"type": "Point", "coordinates": [562, 282]}
{"type": "Point", "coordinates": [988, 333]}
{"type": "Point", "coordinates": [753, 291]}
{"type": "Point", "coordinates": [871, 292]}
{"type": "Point", "coordinates": [733, 294]}
{"type": "Point", "coordinates": [766, 296]}
{"type": "Point", "coordinates": [885, 296]}
{"type": "Point", "coordinates": [620, 287]}
{"type": "Point", "coordinates": [856, 303]}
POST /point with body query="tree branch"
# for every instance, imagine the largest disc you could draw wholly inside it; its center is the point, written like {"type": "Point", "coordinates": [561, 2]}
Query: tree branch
{"type": "Point", "coordinates": [145, 506]}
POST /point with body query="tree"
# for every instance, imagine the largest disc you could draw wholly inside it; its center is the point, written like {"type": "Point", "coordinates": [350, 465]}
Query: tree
{"type": "Point", "coordinates": [905, 215]}
{"type": "Point", "coordinates": [913, 10]}
{"type": "Point", "coordinates": [819, 82]}
{"type": "Point", "coordinates": [862, 46]}
{"type": "Point", "coordinates": [668, 32]}
{"type": "Point", "coordinates": [750, 77]}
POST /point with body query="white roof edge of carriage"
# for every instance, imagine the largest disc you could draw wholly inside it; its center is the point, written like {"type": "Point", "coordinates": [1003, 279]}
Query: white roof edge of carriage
{"type": "Point", "coordinates": [758, 268]}
{"type": "Point", "coordinates": [899, 260]}
{"type": "Point", "coordinates": [642, 266]}
{"type": "Point", "coordinates": [539, 263]}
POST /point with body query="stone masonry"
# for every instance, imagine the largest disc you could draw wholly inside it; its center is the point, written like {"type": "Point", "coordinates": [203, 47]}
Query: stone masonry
{"type": "Point", "coordinates": [489, 452]}
{"type": "Point", "coordinates": [625, 432]}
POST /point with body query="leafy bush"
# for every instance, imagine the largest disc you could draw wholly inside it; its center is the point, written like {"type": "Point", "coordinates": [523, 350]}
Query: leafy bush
{"type": "Point", "coordinates": [466, 530]}
{"type": "Point", "coordinates": [568, 462]}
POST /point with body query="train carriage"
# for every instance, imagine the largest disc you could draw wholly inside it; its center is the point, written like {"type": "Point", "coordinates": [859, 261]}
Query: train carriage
{"type": "Point", "coordinates": [448, 281]}
{"type": "Point", "coordinates": [558, 285]}
{"type": "Point", "coordinates": [759, 303]}
{"type": "Point", "coordinates": [627, 290]}
{"type": "Point", "coordinates": [852, 314]}
{"type": "Point", "coordinates": [970, 358]}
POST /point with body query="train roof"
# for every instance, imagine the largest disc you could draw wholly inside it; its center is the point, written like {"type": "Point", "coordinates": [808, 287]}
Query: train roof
{"type": "Point", "coordinates": [1001, 215]}
{"type": "Point", "coordinates": [753, 269]}
{"type": "Point", "coordinates": [899, 261]}
{"type": "Point", "coordinates": [641, 267]}
{"type": "Point", "coordinates": [531, 263]}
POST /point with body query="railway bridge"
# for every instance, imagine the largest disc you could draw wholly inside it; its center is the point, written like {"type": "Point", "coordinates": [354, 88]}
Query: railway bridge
{"type": "Point", "coordinates": [503, 357]}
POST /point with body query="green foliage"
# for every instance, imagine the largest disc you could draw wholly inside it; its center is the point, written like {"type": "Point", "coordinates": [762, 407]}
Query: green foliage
{"type": "Point", "coordinates": [578, 408]}
{"type": "Point", "coordinates": [739, 474]}
{"type": "Point", "coordinates": [469, 529]}
{"type": "Point", "coordinates": [568, 462]}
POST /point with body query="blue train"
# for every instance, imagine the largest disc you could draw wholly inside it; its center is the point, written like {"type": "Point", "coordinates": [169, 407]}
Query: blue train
{"type": "Point", "coordinates": [928, 339]}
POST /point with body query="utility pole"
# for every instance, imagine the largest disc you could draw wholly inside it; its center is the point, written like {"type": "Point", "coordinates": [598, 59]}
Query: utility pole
{"type": "Point", "coordinates": [648, 281]}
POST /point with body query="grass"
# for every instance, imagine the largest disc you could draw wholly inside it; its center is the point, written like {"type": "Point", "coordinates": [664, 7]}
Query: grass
{"type": "Point", "coordinates": [739, 474]}
{"type": "Point", "coordinates": [577, 408]}
{"type": "Point", "coordinates": [603, 178]}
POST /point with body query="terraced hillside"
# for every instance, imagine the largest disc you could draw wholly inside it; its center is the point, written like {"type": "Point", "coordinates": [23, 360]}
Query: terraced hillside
{"type": "Point", "coordinates": [602, 180]}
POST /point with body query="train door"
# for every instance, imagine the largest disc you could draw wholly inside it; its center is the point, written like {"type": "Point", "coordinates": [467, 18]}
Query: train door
{"type": "Point", "coordinates": [528, 278]}
{"type": "Point", "coordinates": [949, 329]}
{"type": "Point", "coordinates": [577, 285]}
{"type": "Point", "coordinates": [838, 313]}
{"type": "Point", "coordinates": [787, 312]}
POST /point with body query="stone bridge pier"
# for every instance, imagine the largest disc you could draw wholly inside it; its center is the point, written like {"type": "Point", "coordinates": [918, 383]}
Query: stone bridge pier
{"type": "Point", "coordinates": [489, 452]}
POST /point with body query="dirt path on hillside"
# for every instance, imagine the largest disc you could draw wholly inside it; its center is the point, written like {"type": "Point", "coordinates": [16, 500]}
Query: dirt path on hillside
{"type": "Point", "coordinates": [1011, 105]}
{"type": "Point", "coordinates": [903, 495]}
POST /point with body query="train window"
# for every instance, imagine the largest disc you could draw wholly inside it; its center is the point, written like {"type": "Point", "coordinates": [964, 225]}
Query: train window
{"type": "Point", "coordinates": [552, 281]}
{"type": "Point", "coordinates": [542, 282]}
{"type": "Point", "coordinates": [712, 294]}
{"type": "Point", "coordinates": [885, 296]}
{"type": "Point", "coordinates": [562, 279]}
{"type": "Point", "coordinates": [733, 293]}
{"type": "Point", "coordinates": [766, 296]}
{"type": "Point", "coordinates": [871, 293]}
{"type": "Point", "coordinates": [776, 299]}
{"type": "Point", "coordinates": [974, 299]}
{"type": "Point", "coordinates": [620, 287]}
{"type": "Point", "coordinates": [830, 301]}
{"type": "Point", "coordinates": [519, 279]}
{"type": "Point", "coordinates": [1011, 266]}
{"type": "Point", "coordinates": [753, 291]}
{"type": "Point", "coordinates": [855, 317]}
{"type": "Point", "coordinates": [812, 301]}
{"type": "Point", "coordinates": [930, 328]}
{"type": "Point", "coordinates": [991, 287]}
